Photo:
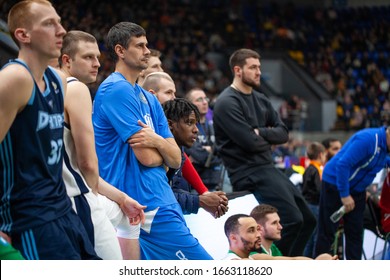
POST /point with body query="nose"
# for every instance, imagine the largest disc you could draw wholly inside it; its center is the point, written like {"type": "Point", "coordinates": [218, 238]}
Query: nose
{"type": "Point", "coordinates": [147, 51]}
{"type": "Point", "coordinates": [60, 30]}
{"type": "Point", "coordinates": [96, 63]}
{"type": "Point", "coordinates": [195, 129]}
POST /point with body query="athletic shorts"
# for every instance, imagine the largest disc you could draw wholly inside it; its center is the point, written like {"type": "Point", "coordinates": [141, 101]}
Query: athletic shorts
{"type": "Point", "coordinates": [62, 239]}
{"type": "Point", "coordinates": [165, 236]}
{"type": "Point", "coordinates": [107, 222]}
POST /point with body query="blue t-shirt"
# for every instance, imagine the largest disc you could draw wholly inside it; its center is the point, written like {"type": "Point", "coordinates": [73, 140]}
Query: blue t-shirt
{"type": "Point", "coordinates": [118, 105]}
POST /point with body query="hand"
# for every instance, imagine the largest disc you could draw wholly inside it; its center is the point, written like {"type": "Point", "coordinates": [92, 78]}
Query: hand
{"type": "Point", "coordinates": [208, 149]}
{"type": "Point", "coordinates": [145, 138]}
{"type": "Point", "coordinates": [133, 210]}
{"type": "Point", "coordinates": [349, 203]}
{"type": "Point", "coordinates": [6, 237]}
{"type": "Point", "coordinates": [216, 203]}
{"type": "Point", "coordinates": [327, 257]}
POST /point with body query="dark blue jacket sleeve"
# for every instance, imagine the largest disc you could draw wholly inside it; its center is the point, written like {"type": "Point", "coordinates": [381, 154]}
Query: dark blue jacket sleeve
{"type": "Point", "coordinates": [189, 202]}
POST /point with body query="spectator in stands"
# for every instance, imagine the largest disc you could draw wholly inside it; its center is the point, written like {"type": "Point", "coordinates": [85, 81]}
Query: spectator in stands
{"type": "Point", "coordinates": [246, 126]}
{"type": "Point", "coordinates": [203, 152]}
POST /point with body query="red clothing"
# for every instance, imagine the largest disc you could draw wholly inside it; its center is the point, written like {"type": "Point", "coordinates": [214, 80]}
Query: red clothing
{"type": "Point", "coordinates": [192, 177]}
{"type": "Point", "coordinates": [384, 204]}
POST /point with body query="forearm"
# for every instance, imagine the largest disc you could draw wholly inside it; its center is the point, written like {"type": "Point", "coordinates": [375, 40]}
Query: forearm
{"type": "Point", "coordinates": [275, 135]}
{"type": "Point", "coordinates": [111, 192]}
{"type": "Point", "coordinates": [90, 172]}
{"type": "Point", "coordinates": [148, 156]}
{"type": "Point", "coordinates": [192, 176]}
{"type": "Point", "coordinates": [170, 152]}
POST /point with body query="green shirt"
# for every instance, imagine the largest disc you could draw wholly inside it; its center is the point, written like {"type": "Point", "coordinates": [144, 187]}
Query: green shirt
{"type": "Point", "coordinates": [7, 252]}
{"type": "Point", "coordinates": [274, 251]}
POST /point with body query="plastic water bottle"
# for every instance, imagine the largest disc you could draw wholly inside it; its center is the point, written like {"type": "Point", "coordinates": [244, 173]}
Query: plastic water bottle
{"type": "Point", "coordinates": [336, 216]}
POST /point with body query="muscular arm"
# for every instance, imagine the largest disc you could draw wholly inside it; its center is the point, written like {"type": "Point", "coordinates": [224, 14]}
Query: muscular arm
{"type": "Point", "coordinates": [152, 150]}
{"type": "Point", "coordinates": [16, 86]}
{"type": "Point", "coordinates": [78, 112]}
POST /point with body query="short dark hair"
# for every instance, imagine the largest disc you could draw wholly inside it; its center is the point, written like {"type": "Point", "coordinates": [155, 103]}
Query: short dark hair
{"type": "Point", "coordinates": [71, 41]}
{"type": "Point", "coordinates": [326, 142]}
{"type": "Point", "coordinates": [261, 211]}
{"type": "Point", "coordinates": [238, 58]}
{"type": "Point", "coordinates": [121, 33]}
{"type": "Point", "coordinates": [179, 108]}
{"type": "Point", "coordinates": [314, 149]}
{"type": "Point", "coordinates": [231, 224]}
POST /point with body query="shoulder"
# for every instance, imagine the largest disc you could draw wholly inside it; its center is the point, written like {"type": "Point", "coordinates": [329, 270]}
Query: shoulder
{"type": "Point", "coordinates": [16, 82]}
{"type": "Point", "coordinates": [260, 95]}
{"type": "Point", "coordinates": [228, 97]}
{"type": "Point", "coordinates": [16, 74]}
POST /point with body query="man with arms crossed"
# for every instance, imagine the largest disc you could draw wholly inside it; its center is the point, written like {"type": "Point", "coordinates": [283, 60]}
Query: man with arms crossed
{"type": "Point", "coordinates": [134, 144]}
{"type": "Point", "coordinates": [246, 126]}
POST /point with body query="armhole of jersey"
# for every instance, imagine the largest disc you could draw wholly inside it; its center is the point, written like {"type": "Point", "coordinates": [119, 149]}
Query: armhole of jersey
{"type": "Point", "coordinates": [31, 100]}
{"type": "Point", "coordinates": [20, 62]}
{"type": "Point", "coordinates": [58, 79]}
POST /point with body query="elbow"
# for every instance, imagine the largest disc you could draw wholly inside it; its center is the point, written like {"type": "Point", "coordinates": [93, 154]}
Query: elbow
{"type": "Point", "coordinates": [176, 160]}
{"type": "Point", "coordinates": [89, 166]}
{"type": "Point", "coordinates": [151, 162]}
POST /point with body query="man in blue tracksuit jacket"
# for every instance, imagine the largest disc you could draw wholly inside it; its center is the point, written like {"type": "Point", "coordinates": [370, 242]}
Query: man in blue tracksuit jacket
{"type": "Point", "coordinates": [344, 181]}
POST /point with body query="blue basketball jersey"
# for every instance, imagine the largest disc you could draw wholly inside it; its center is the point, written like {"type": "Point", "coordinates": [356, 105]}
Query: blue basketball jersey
{"type": "Point", "coordinates": [31, 187]}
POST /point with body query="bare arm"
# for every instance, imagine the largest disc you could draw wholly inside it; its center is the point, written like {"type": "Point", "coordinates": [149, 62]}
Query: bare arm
{"type": "Point", "coordinates": [16, 86]}
{"type": "Point", "coordinates": [153, 150]}
{"type": "Point", "coordinates": [132, 209]}
{"type": "Point", "coordinates": [78, 112]}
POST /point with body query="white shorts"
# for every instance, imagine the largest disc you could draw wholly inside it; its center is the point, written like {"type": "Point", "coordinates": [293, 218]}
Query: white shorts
{"type": "Point", "coordinates": [106, 242]}
{"type": "Point", "coordinates": [118, 219]}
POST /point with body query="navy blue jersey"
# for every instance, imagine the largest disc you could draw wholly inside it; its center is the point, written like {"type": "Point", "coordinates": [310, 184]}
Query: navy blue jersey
{"type": "Point", "coordinates": [31, 187]}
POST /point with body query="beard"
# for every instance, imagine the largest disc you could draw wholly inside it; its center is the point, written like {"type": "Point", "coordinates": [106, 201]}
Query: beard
{"type": "Point", "coordinates": [248, 82]}
{"type": "Point", "coordinates": [249, 246]}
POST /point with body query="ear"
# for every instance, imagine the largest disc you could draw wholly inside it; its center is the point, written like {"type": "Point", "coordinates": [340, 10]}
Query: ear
{"type": "Point", "coordinates": [119, 50]}
{"type": "Point", "coordinates": [232, 237]}
{"type": "Point", "coordinates": [237, 71]}
{"type": "Point", "coordinates": [65, 60]}
{"type": "Point", "coordinates": [22, 35]}
{"type": "Point", "coordinates": [153, 92]}
{"type": "Point", "coordinates": [170, 124]}
{"type": "Point", "coordinates": [261, 228]}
